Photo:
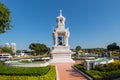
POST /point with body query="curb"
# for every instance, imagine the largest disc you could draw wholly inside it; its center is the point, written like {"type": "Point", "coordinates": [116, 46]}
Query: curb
{"type": "Point", "coordinates": [57, 76]}
{"type": "Point", "coordinates": [88, 77]}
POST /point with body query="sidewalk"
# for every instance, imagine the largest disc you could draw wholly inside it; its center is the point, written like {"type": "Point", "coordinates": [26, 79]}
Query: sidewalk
{"type": "Point", "coordinates": [66, 72]}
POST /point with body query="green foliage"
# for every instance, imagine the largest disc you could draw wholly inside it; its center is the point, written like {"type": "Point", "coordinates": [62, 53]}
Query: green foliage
{"type": "Point", "coordinates": [109, 67]}
{"type": "Point", "coordinates": [85, 58]}
{"type": "Point", "coordinates": [18, 51]}
{"type": "Point", "coordinates": [113, 47]}
{"type": "Point", "coordinates": [39, 48]}
{"type": "Point", "coordinates": [7, 50]}
{"type": "Point", "coordinates": [95, 74]}
{"type": "Point", "coordinates": [50, 75]}
{"type": "Point", "coordinates": [115, 53]}
{"type": "Point", "coordinates": [31, 71]}
{"type": "Point", "coordinates": [79, 66]}
{"type": "Point", "coordinates": [103, 71]}
{"type": "Point", "coordinates": [95, 51]}
{"type": "Point", "coordinates": [21, 51]}
{"type": "Point", "coordinates": [98, 74]}
{"type": "Point", "coordinates": [78, 48]}
{"type": "Point", "coordinates": [4, 18]}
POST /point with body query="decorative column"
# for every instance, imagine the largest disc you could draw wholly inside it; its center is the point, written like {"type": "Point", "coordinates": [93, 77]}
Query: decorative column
{"type": "Point", "coordinates": [66, 38]}
{"type": "Point", "coordinates": [55, 38]}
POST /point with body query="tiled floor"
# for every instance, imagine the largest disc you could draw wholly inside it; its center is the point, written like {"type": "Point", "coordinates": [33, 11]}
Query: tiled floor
{"type": "Point", "coordinates": [66, 72]}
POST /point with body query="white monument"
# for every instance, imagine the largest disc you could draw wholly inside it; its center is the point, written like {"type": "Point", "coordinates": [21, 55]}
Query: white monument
{"type": "Point", "coordinates": [61, 50]}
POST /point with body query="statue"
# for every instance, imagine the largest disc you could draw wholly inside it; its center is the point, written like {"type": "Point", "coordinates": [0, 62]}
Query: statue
{"type": "Point", "coordinates": [60, 40]}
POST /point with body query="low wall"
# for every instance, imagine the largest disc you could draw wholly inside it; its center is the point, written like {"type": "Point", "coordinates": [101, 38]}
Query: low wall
{"type": "Point", "coordinates": [18, 64]}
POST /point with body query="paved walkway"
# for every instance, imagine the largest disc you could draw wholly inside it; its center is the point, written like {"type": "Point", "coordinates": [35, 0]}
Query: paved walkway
{"type": "Point", "coordinates": [66, 72]}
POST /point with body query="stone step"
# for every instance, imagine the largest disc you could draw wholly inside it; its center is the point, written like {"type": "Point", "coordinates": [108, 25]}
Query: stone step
{"type": "Point", "coordinates": [61, 60]}
{"type": "Point", "coordinates": [61, 55]}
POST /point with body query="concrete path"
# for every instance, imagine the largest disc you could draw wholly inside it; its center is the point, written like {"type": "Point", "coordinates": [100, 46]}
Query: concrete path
{"type": "Point", "coordinates": [66, 72]}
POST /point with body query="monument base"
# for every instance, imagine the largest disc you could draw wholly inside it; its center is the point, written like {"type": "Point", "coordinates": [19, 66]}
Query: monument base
{"type": "Point", "coordinates": [61, 54]}
{"type": "Point", "coordinates": [61, 60]}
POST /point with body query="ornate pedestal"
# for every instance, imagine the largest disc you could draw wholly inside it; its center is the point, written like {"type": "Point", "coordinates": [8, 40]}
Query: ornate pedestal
{"type": "Point", "coordinates": [61, 54]}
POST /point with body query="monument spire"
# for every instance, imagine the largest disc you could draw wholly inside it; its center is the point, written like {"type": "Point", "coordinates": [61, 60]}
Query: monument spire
{"type": "Point", "coordinates": [60, 12]}
{"type": "Point", "coordinates": [60, 20]}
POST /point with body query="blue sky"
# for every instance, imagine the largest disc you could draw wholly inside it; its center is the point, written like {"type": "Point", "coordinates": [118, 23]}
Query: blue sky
{"type": "Point", "coordinates": [92, 23]}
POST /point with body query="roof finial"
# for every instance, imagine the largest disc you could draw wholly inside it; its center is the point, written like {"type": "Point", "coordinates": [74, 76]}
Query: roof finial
{"type": "Point", "coordinates": [60, 12]}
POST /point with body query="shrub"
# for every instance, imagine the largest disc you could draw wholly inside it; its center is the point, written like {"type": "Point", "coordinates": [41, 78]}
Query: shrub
{"type": "Point", "coordinates": [50, 75]}
{"type": "Point", "coordinates": [109, 67]}
{"type": "Point", "coordinates": [79, 66]}
{"type": "Point", "coordinates": [104, 72]}
{"type": "Point", "coordinates": [115, 53]}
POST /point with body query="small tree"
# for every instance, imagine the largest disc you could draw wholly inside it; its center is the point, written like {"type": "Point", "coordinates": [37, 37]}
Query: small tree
{"type": "Point", "coordinates": [39, 48]}
{"type": "Point", "coordinates": [78, 48]}
{"type": "Point", "coordinates": [6, 50]}
{"type": "Point", "coordinates": [4, 18]}
{"type": "Point", "coordinates": [113, 47]}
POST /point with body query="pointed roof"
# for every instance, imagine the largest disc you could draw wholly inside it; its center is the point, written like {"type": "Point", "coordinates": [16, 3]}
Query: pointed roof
{"type": "Point", "coordinates": [60, 12]}
{"type": "Point", "coordinates": [60, 16]}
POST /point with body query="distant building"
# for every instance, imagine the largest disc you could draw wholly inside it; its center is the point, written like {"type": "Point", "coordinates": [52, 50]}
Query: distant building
{"type": "Point", "coordinates": [7, 45]}
{"type": "Point", "coordinates": [13, 46]}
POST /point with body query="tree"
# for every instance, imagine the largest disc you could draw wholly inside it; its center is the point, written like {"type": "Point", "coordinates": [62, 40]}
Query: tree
{"type": "Point", "coordinates": [113, 47]}
{"type": "Point", "coordinates": [78, 48]}
{"type": "Point", "coordinates": [0, 49]}
{"type": "Point", "coordinates": [4, 18]}
{"type": "Point", "coordinates": [7, 50]}
{"type": "Point", "coordinates": [39, 48]}
{"type": "Point", "coordinates": [18, 51]}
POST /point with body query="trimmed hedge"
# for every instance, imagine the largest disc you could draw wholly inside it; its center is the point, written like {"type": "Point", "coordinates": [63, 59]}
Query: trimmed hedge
{"type": "Point", "coordinates": [50, 75]}
{"type": "Point", "coordinates": [30, 71]}
{"type": "Point", "coordinates": [83, 58]}
{"type": "Point", "coordinates": [103, 73]}
{"type": "Point", "coordinates": [109, 67]}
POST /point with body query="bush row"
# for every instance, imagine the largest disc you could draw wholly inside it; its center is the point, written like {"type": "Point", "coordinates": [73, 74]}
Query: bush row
{"type": "Point", "coordinates": [30, 71]}
{"type": "Point", "coordinates": [104, 75]}
{"type": "Point", "coordinates": [81, 68]}
{"type": "Point", "coordinates": [109, 67]}
{"type": "Point", "coordinates": [84, 58]}
{"type": "Point", "coordinates": [50, 75]}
